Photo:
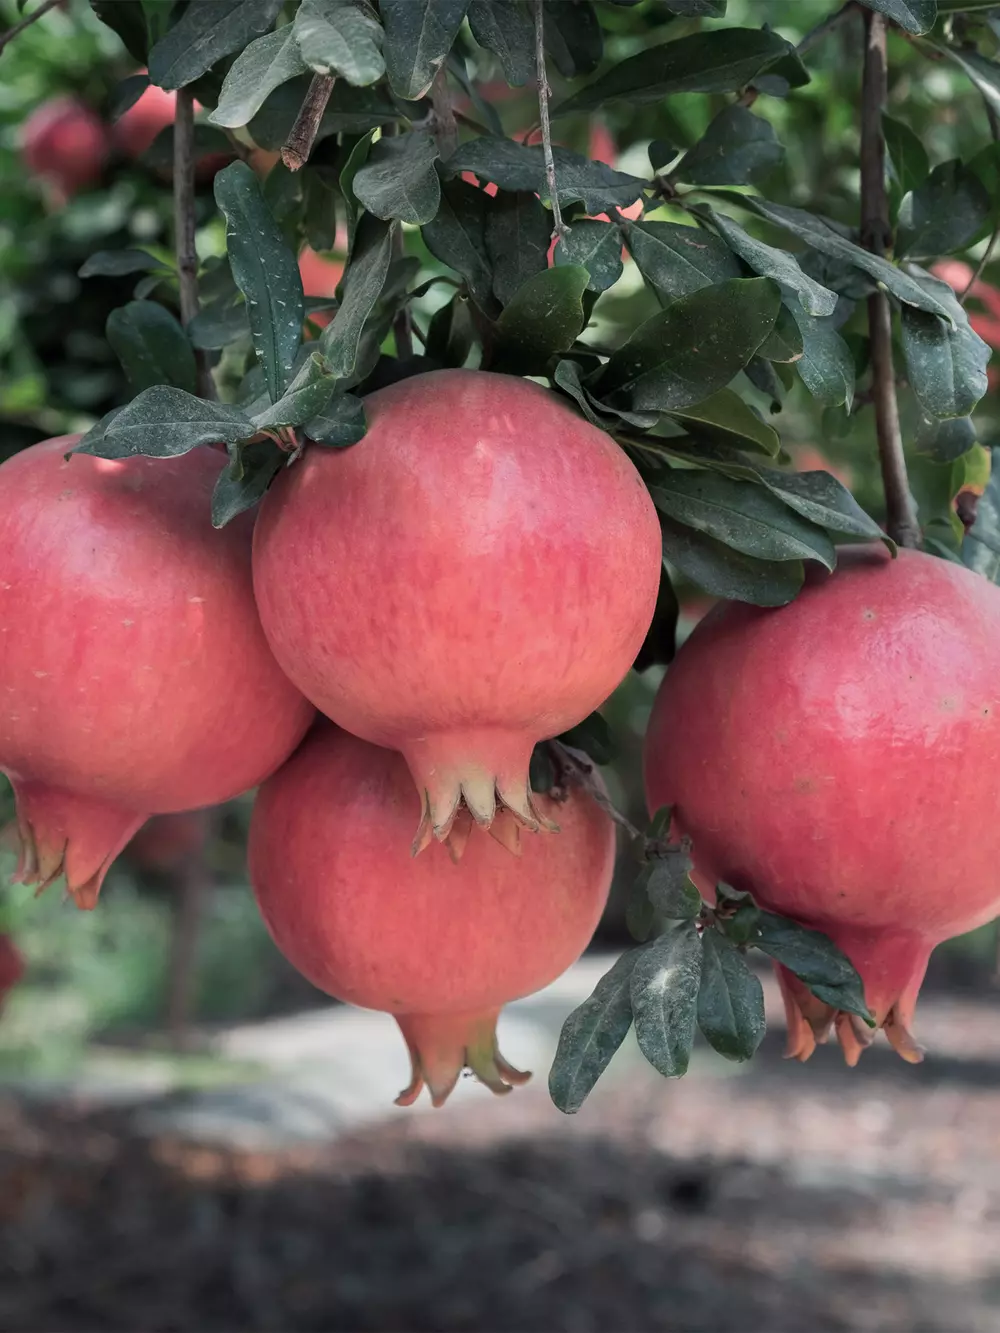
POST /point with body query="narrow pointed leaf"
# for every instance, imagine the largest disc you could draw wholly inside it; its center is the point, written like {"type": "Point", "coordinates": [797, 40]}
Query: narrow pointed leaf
{"type": "Point", "coordinates": [504, 27]}
{"type": "Point", "coordinates": [517, 241]}
{"type": "Point", "coordinates": [241, 486]}
{"type": "Point", "coordinates": [735, 148]}
{"type": "Point", "coordinates": [544, 317]}
{"type": "Point", "coordinates": [826, 364]}
{"type": "Point", "coordinates": [306, 397]}
{"type": "Point", "coordinates": [820, 498]}
{"type": "Point", "coordinates": [518, 166]}
{"type": "Point", "coordinates": [727, 418]}
{"type": "Point", "coordinates": [770, 262]}
{"type": "Point", "coordinates": [665, 981]}
{"type": "Point", "coordinates": [598, 247]}
{"type": "Point", "coordinates": [730, 1000]}
{"type": "Point", "coordinates": [457, 237]}
{"type": "Point", "coordinates": [398, 179]}
{"type": "Point", "coordinates": [418, 36]}
{"type": "Point", "coordinates": [164, 422]}
{"type": "Point", "coordinates": [721, 571]}
{"type": "Point", "coordinates": [340, 425]}
{"type": "Point", "coordinates": [341, 38]}
{"type": "Point", "coordinates": [362, 285]}
{"type": "Point", "coordinates": [151, 346]}
{"type": "Point", "coordinates": [263, 66]}
{"type": "Point", "coordinates": [677, 260]}
{"type": "Point", "coordinates": [591, 1035]}
{"type": "Point", "coordinates": [207, 31]}
{"type": "Point", "coordinates": [815, 960]}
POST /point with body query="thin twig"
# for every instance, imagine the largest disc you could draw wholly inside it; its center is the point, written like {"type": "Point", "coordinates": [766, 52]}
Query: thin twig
{"type": "Point", "coordinates": [11, 33]}
{"type": "Point", "coordinates": [299, 144]}
{"type": "Point", "coordinates": [184, 225]}
{"type": "Point", "coordinates": [876, 234]}
{"type": "Point", "coordinates": [574, 769]}
{"type": "Point", "coordinates": [967, 290]}
{"type": "Point", "coordinates": [445, 127]}
{"type": "Point", "coordinates": [821, 29]}
{"type": "Point", "coordinates": [559, 228]}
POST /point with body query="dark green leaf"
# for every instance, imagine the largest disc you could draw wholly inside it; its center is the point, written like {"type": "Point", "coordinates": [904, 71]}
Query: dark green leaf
{"type": "Point", "coordinates": [591, 1035]}
{"type": "Point", "coordinates": [342, 424]}
{"type": "Point", "coordinates": [784, 342]}
{"type": "Point", "coordinates": [157, 14]}
{"type": "Point", "coordinates": [243, 483]}
{"type": "Point", "coordinates": [517, 241]}
{"type": "Point", "coordinates": [362, 285]}
{"type": "Point", "coordinates": [730, 1000]}
{"type": "Point", "coordinates": [705, 452]}
{"type": "Point", "coordinates": [726, 418]}
{"type": "Point", "coordinates": [356, 159]}
{"type": "Point", "coordinates": [128, 21]}
{"type": "Point", "coordinates": [503, 27]}
{"type": "Point", "coordinates": [770, 262]}
{"type": "Point", "coordinates": [263, 66]}
{"type": "Point", "coordinates": [544, 317]}
{"type": "Point", "coordinates": [677, 260]}
{"type": "Point", "coordinates": [592, 736]}
{"type": "Point", "coordinates": [542, 769]}
{"type": "Point", "coordinates": [660, 643]}
{"type": "Point", "coordinates": [820, 497]}
{"type": "Point", "coordinates": [739, 924]}
{"type": "Point", "coordinates": [573, 36]}
{"type": "Point", "coordinates": [457, 237]}
{"type": "Point", "coordinates": [946, 367]}
{"type": "Point", "coordinates": [126, 94]}
{"type": "Point", "coordinates": [743, 515]}
{"type": "Point", "coordinates": [115, 263]}
{"type": "Point", "coordinates": [815, 960]}
{"type": "Point", "coordinates": [706, 62]}
{"type": "Point", "coordinates": [341, 38]}
{"type": "Point", "coordinates": [306, 397]}
{"type": "Point", "coordinates": [451, 334]}
{"type": "Point", "coordinates": [349, 111]}
{"type": "Point", "coordinates": [399, 180]}
{"type": "Point", "coordinates": [826, 365]}
{"type": "Point", "coordinates": [916, 16]}
{"type": "Point", "coordinates": [981, 546]}
{"type": "Point", "coordinates": [665, 981]}
{"type": "Point", "coordinates": [736, 146]}
{"type": "Point", "coordinates": [151, 346]}
{"type": "Point", "coordinates": [944, 441]}
{"type": "Point", "coordinates": [219, 324]}
{"type": "Point", "coordinates": [569, 377]}
{"type": "Point", "coordinates": [418, 36]}
{"type": "Point", "coordinates": [984, 73]}
{"type": "Point", "coordinates": [266, 272]}
{"type": "Point", "coordinates": [208, 142]}
{"type": "Point", "coordinates": [598, 247]}
{"type": "Point", "coordinates": [668, 885]}
{"type": "Point", "coordinates": [164, 422]}
{"type": "Point", "coordinates": [943, 214]}
{"type": "Point", "coordinates": [693, 348]}
{"type": "Point", "coordinates": [723, 572]}
{"type": "Point", "coordinates": [709, 9]}
{"type": "Point", "coordinates": [640, 917]}
{"type": "Point", "coordinates": [207, 31]}
{"type": "Point", "coordinates": [907, 155]}
{"type": "Point", "coordinates": [518, 166]}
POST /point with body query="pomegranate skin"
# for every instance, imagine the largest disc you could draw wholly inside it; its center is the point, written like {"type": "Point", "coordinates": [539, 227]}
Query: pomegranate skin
{"type": "Point", "coordinates": [65, 143]}
{"type": "Point", "coordinates": [134, 675]}
{"type": "Point", "coordinates": [440, 944]}
{"type": "Point", "coordinates": [840, 759]}
{"type": "Point", "coordinates": [476, 575]}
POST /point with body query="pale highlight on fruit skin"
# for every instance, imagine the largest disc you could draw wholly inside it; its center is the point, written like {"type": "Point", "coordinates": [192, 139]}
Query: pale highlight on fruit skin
{"type": "Point", "coordinates": [476, 575]}
{"type": "Point", "coordinates": [840, 759]}
{"type": "Point", "coordinates": [134, 675]}
{"type": "Point", "coordinates": [440, 945]}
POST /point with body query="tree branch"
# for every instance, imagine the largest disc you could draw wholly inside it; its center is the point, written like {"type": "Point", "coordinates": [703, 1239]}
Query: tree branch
{"type": "Point", "coordinates": [302, 136]}
{"type": "Point", "coordinates": [559, 228]}
{"type": "Point", "coordinates": [184, 225]}
{"type": "Point", "coordinates": [11, 33]}
{"type": "Point", "coordinates": [876, 235]}
{"type": "Point", "coordinates": [445, 127]}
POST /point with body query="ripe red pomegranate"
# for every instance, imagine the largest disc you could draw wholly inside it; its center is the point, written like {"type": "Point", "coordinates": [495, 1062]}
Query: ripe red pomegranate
{"type": "Point", "coordinates": [476, 575]}
{"type": "Point", "coordinates": [134, 676]}
{"type": "Point", "coordinates": [11, 966]}
{"type": "Point", "coordinates": [840, 759]}
{"type": "Point", "coordinates": [65, 144]}
{"type": "Point", "coordinates": [439, 945]}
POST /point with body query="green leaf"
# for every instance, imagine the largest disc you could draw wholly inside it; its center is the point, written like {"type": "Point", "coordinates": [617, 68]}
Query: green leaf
{"type": "Point", "coordinates": [518, 166]}
{"type": "Point", "coordinates": [784, 342]}
{"type": "Point", "coordinates": [709, 9]}
{"type": "Point", "coordinates": [984, 73]}
{"type": "Point", "coordinates": [451, 334]}
{"type": "Point", "coordinates": [573, 36]}
{"type": "Point", "coordinates": [503, 27]}
{"type": "Point", "coordinates": [349, 111]}
{"type": "Point", "coordinates": [907, 155]}
{"type": "Point", "coordinates": [218, 324]}
{"type": "Point", "coordinates": [398, 180]}
{"type": "Point", "coordinates": [362, 285]}
{"type": "Point", "coordinates": [164, 422]}
{"type": "Point", "coordinates": [126, 94]}
{"type": "Point", "coordinates": [243, 483]}
{"type": "Point", "coordinates": [207, 31]}
{"type": "Point", "coordinates": [208, 142]}
{"type": "Point", "coordinates": [946, 365]}
{"type": "Point", "coordinates": [591, 1035]}
{"type": "Point", "coordinates": [723, 572]}
{"type": "Point", "coordinates": [517, 241]}
{"type": "Point", "coordinates": [943, 214]}
{"type": "Point", "coordinates": [725, 417]}
{"type": "Point", "coordinates": [639, 915]}
{"type": "Point", "coordinates": [668, 885]}
{"type": "Point", "coordinates": [592, 736]}
{"type": "Point", "coordinates": [770, 262]}
{"type": "Point", "coordinates": [730, 1000]}
{"type": "Point", "coordinates": [815, 960]}
{"type": "Point", "coordinates": [676, 259]}
{"type": "Point", "coordinates": [152, 346]}
{"type": "Point", "coordinates": [117, 263]}
{"type": "Point", "coordinates": [819, 234]}
{"type": "Point", "coordinates": [341, 38]}
{"type": "Point", "coordinates": [743, 515]}
{"type": "Point", "coordinates": [544, 317]}
{"type": "Point", "coordinates": [660, 643]}
{"type": "Point", "coordinates": [457, 237]}
{"type": "Point", "coordinates": [597, 246]}
{"type": "Point", "coordinates": [340, 425]}
{"type": "Point", "coordinates": [916, 16]}
{"type": "Point", "coordinates": [264, 65]}
{"type": "Point", "coordinates": [736, 147]}
{"type": "Point", "coordinates": [418, 36]}
{"type": "Point", "coordinates": [356, 159]}
{"type": "Point", "coordinates": [820, 498]}
{"type": "Point", "coordinates": [945, 441]}
{"type": "Point", "coordinates": [981, 546]}
{"type": "Point", "coordinates": [128, 21]}
{"type": "Point", "coordinates": [157, 14]}
{"type": "Point", "coordinates": [723, 61]}
{"type": "Point", "coordinates": [665, 981]}
{"type": "Point", "coordinates": [826, 364]}
{"type": "Point", "coordinates": [306, 397]}
{"type": "Point", "coordinates": [693, 348]}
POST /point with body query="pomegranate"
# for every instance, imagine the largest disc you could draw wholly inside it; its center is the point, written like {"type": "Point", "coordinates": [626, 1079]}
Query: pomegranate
{"type": "Point", "coordinates": [839, 759]}
{"type": "Point", "coordinates": [134, 677]}
{"type": "Point", "coordinates": [11, 966]}
{"type": "Point", "coordinates": [477, 574]}
{"type": "Point", "coordinates": [439, 945]}
{"type": "Point", "coordinates": [65, 144]}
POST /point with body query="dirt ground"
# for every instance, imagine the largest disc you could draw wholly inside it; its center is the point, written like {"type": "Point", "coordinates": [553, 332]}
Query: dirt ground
{"type": "Point", "coordinates": [780, 1199]}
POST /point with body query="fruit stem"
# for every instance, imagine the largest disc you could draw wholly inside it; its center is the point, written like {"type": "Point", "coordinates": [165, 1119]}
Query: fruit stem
{"type": "Point", "coordinates": [559, 228]}
{"type": "Point", "coordinates": [876, 235]}
{"type": "Point", "coordinates": [184, 225]}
